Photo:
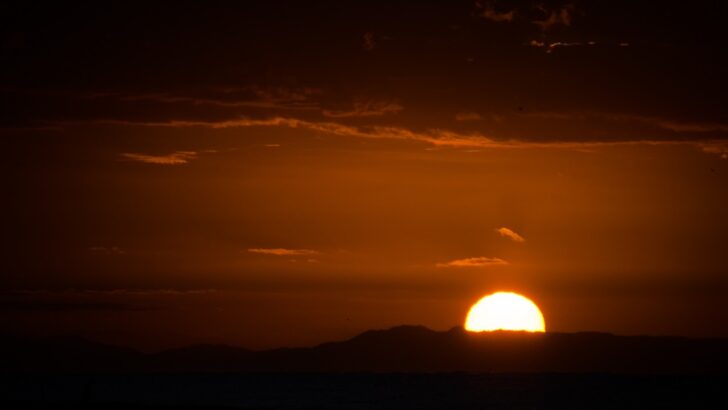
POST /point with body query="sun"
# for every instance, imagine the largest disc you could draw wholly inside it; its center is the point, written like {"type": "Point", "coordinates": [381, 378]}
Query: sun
{"type": "Point", "coordinates": [505, 311]}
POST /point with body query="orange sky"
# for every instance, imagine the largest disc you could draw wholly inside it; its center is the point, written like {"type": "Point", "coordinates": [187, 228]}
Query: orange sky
{"type": "Point", "coordinates": [319, 237]}
{"type": "Point", "coordinates": [325, 184]}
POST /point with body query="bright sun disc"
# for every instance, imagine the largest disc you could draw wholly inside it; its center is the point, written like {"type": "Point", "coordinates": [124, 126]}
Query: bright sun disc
{"type": "Point", "coordinates": [504, 311]}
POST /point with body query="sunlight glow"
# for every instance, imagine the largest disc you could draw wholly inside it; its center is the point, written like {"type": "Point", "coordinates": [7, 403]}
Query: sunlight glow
{"type": "Point", "coordinates": [504, 311]}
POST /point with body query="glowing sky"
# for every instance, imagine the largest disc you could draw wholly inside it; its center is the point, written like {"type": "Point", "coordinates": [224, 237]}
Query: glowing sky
{"type": "Point", "coordinates": [274, 173]}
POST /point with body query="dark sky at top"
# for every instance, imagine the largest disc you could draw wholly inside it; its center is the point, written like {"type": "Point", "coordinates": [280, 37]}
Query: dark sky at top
{"type": "Point", "coordinates": [626, 70]}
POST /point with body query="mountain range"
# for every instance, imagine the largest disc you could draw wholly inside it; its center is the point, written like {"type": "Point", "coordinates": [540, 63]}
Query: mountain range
{"type": "Point", "coordinates": [405, 349]}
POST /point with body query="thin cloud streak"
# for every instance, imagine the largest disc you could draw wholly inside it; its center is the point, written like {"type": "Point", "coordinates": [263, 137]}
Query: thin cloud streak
{"type": "Point", "coordinates": [476, 262]}
{"type": "Point", "coordinates": [717, 148]}
{"type": "Point", "coordinates": [368, 41]}
{"type": "Point", "coordinates": [368, 109]}
{"type": "Point", "coordinates": [435, 137]}
{"type": "Point", "coordinates": [692, 126]}
{"type": "Point", "coordinates": [549, 47]}
{"type": "Point", "coordinates": [117, 291]}
{"type": "Point", "coordinates": [659, 122]}
{"type": "Point", "coordinates": [440, 138]}
{"type": "Point", "coordinates": [467, 116]}
{"type": "Point", "coordinates": [489, 13]}
{"type": "Point", "coordinates": [255, 97]}
{"type": "Point", "coordinates": [104, 250]}
{"type": "Point", "coordinates": [558, 17]}
{"type": "Point", "coordinates": [283, 251]}
{"type": "Point", "coordinates": [175, 158]}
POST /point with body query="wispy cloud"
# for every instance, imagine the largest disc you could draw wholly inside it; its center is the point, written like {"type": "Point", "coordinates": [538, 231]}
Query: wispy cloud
{"type": "Point", "coordinates": [104, 292]}
{"type": "Point", "coordinates": [477, 262]}
{"type": "Point", "coordinates": [92, 300]}
{"type": "Point", "coordinates": [283, 251]}
{"type": "Point", "coordinates": [365, 109]}
{"type": "Point", "coordinates": [691, 126]}
{"type": "Point", "coordinates": [151, 292]}
{"type": "Point", "coordinates": [561, 16]}
{"type": "Point", "coordinates": [106, 250]}
{"type": "Point", "coordinates": [368, 41]}
{"type": "Point", "coordinates": [490, 13]}
{"type": "Point", "coordinates": [718, 148]}
{"type": "Point", "coordinates": [550, 47]}
{"type": "Point", "coordinates": [62, 306]}
{"type": "Point", "coordinates": [175, 158]}
{"type": "Point", "coordinates": [509, 233]}
{"type": "Point", "coordinates": [685, 127]}
{"type": "Point", "coordinates": [437, 138]}
{"type": "Point", "coordinates": [467, 116]}
{"type": "Point", "coordinates": [250, 96]}
{"type": "Point", "coordinates": [676, 126]}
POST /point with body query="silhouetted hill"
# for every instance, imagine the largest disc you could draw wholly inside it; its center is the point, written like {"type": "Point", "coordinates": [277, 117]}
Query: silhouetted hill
{"type": "Point", "coordinates": [218, 358]}
{"type": "Point", "coordinates": [65, 354]}
{"type": "Point", "coordinates": [400, 349]}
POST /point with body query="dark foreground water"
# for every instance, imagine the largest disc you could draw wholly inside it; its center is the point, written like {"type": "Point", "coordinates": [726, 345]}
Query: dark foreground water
{"type": "Point", "coordinates": [363, 391]}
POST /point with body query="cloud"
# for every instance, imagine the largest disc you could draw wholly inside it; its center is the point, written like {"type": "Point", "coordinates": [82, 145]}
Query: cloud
{"type": "Point", "coordinates": [149, 292]}
{"type": "Point", "coordinates": [368, 109]}
{"type": "Point", "coordinates": [273, 98]}
{"type": "Point", "coordinates": [43, 306]}
{"type": "Point", "coordinates": [235, 97]}
{"type": "Point", "coordinates": [540, 15]}
{"type": "Point", "coordinates": [175, 158]}
{"type": "Point", "coordinates": [104, 292]}
{"type": "Point", "coordinates": [490, 13]}
{"type": "Point", "coordinates": [691, 126]}
{"type": "Point", "coordinates": [286, 97]}
{"type": "Point", "coordinates": [283, 251]}
{"type": "Point", "coordinates": [718, 148]}
{"type": "Point", "coordinates": [436, 137]}
{"type": "Point", "coordinates": [113, 250]}
{"type": "Point", "coordinates": [439, 138]}
{"type": "Point", "coordinates": [467, 116]}
{"type": "Point", "coordinates": [505, 232]}
{"type": "Point", "coordinates": [550, 47]}
{"type": "Point", "coordinates": [368, 41]}
{"type": "Point", "coordinates": [477, 262]}
{"type": "Point", "coordinates": [86, 300]}
{"type": "Point", "coordinates": [174, 99]}
{"type": "Point", "coordinates": [684, 127]}
{"type": "Point", "coordinates": [557, 17]}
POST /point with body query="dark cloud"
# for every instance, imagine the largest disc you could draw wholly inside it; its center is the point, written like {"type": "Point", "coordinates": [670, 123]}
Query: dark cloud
{"type": "Point", "coordinates": [366, 109]}
{"type": "Point", "coordinates": [467, 116]}
{"type": "Point", "coordinates": [555, 17]}
{"type": "Point", "coordinates": [34, 306]}
{"type": "Point", "coordinates": [368, 41]}
{"type": "Point", "coordinates": [255, 61]}
{"type": "Point", "coordinates": [106, 250]}
{"type": "Point", "coordinates": [89, 300]}
{"type": "Point", "coordinates": [489, 12]}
